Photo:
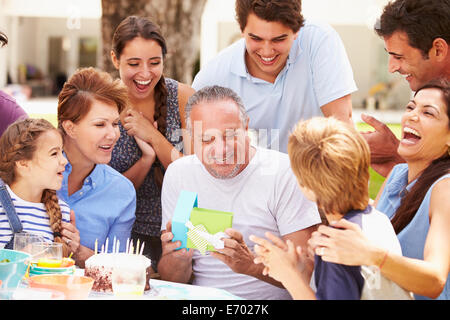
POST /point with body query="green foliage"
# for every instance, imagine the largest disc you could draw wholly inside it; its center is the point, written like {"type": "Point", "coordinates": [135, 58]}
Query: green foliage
{"type": "Point", "coordinates": [52, 118]}
{"type": "Point", "coordinates": [376, 180]}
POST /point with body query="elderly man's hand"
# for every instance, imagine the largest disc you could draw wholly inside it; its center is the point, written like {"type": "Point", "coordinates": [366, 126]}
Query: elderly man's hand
{"type": "Point", "coordinates": [174, 265]}
{"type": "Point", "coordinates": [70, 234]}
{"type": "Point", "coordinates": [171, 248]}
{"type": "Point", "coordinates": [236, 254]}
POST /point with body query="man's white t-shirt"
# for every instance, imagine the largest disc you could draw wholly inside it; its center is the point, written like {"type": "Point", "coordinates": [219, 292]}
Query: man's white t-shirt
{"type": "Point", "coordinates": [263, 197]}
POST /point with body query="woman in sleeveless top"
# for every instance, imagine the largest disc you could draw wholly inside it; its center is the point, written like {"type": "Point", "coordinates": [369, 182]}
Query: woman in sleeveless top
{"type": "Point", "coordinates": [151, 136]}
{"type": "Point", "coordinates": [415, 197]}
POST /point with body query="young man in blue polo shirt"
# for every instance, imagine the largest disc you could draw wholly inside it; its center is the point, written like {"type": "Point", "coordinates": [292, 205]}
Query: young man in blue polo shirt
{"type": "Point", "coordinates": [285, 69]}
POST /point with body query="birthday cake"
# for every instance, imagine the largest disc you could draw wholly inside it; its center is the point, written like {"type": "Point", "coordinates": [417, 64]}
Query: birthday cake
{"type": "Point", "coordinates": [100, 268]}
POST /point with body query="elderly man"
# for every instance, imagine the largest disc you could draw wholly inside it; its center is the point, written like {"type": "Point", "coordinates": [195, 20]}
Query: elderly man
{"type": "Point", "coordinates": [229, 174]}
{"type": "Point", "coordinates": [416, 35]}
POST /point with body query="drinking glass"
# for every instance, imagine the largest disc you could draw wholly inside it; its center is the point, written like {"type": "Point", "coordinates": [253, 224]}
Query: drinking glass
{"type": "Point", "coordinates": [51, 251]}
{"type": "Point", "coordinates": [23, 241]}
{"type": "Point", "coordinates": [128, 275]}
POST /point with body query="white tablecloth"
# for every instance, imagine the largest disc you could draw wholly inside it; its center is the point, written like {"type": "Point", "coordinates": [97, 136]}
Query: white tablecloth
{"type": "Point", "coordinates": [166, 290]}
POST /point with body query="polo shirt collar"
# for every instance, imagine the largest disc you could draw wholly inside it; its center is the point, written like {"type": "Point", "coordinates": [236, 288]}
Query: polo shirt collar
{"type": "Point", "coordinates": [94, 179]}
{"type": "Point", "coordinates": [296, 50]}
{"type": "Point", "coordinates": [238, 66]}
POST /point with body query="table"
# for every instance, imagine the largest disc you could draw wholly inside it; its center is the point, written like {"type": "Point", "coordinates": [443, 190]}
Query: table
{"type": "Point", "coordinates": [166, 290]}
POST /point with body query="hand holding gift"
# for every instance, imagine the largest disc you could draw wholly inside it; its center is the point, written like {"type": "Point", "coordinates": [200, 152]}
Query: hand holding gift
{"type": "Point", "coordinates": [199, 228]}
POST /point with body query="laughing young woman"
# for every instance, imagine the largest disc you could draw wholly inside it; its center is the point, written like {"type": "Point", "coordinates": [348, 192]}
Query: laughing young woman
{"type": "Point", "coordinates": [415, 198]}
{"type": "Point", "coordinates": [151, 128]}
{"type": "Point", "coordinates": [104, 201]}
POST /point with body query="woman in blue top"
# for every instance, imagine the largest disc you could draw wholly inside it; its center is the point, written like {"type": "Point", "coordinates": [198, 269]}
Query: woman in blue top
{"type": "Point", "coordinates": [151, 136]}
{"type": "Point", "coordinates": [415, 197]}
{"type": "Point", "coordinates": [104, 201]}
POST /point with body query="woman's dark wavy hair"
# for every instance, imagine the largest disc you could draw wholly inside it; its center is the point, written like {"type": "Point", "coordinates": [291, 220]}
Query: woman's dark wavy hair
{"type": "Point", "coordinates": [411, 202]}
{"type": "Point", "coordinates": [130, 28]}
{"type": "Point", "coordinates": [422, 20]}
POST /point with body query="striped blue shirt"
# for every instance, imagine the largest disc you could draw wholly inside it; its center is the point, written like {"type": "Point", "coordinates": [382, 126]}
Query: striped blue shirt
{"type": "Point", "coordinates": [33, 216]}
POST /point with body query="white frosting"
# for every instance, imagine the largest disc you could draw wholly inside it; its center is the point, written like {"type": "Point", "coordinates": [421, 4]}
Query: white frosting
{"type": "Point", "coordinates": [100, 267]}
{"type": "Point", "coordinates": [103, 259]}
{"type": "Point", "coordinates": [107, 259]}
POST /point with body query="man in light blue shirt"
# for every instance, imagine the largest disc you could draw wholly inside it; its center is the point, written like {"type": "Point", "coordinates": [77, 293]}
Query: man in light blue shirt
{"type": "Point", "coordinates": [285, 69]}
{"type": "Point", "coordinates": [104, 206]}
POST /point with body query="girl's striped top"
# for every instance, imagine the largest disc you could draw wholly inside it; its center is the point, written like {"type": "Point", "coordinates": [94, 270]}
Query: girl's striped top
{"type": "Point", "coordinates": [33, 216]}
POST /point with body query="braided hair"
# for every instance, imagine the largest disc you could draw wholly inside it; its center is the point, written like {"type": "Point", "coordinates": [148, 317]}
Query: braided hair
{"type": "Point", "coordinates": [20, 142]}
{"type": "Point", "coordinates": [130, 28]}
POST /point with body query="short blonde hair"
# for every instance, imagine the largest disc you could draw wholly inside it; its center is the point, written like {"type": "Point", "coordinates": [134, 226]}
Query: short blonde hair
{"type": "Point", "coordinates": [332, 159]}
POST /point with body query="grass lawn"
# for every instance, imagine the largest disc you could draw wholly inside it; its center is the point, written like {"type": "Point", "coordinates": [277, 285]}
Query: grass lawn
{"type": "Point", "coordinates": [47, 116]}
{"type": "Point", "coordinates": [376, 180]}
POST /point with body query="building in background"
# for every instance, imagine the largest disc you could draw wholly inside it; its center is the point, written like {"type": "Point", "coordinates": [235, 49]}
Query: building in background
{"type": "Point", "coordinates": [50, 39]}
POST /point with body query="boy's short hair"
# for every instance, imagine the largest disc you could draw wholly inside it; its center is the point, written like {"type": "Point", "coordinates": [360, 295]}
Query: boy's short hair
{"type": "Point", "coordinates": [332, 159]}
{"type": "Point", "coordinates": [287, 12]}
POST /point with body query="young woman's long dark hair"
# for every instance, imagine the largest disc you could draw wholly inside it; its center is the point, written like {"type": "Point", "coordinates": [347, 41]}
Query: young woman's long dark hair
{"type": "Point", "coordinates": [130, 28]}
{"type": "Point", "coordinates": [412, 200]}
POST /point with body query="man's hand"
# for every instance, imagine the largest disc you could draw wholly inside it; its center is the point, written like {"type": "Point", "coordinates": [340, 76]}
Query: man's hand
{"type": "Point", "coordinates": [236, 254]}
{"type": "Point", "coordinates": [383, 146]}
{"type": "Point", "coordinates": [70, 234]}
{"type": "Point", "coordinates": [175, 265]}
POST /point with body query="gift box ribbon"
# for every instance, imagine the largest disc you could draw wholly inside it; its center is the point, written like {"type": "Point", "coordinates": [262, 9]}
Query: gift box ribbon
{"type": "Point", "coordinates": [201, 238]}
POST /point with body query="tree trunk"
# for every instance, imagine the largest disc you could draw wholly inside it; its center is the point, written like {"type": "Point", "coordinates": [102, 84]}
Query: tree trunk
{"type": "Point", "coordinates": [180, 24]}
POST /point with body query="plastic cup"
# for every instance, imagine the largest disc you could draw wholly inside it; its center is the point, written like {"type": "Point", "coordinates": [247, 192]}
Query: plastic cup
{"type": "Point", "coordinates": [50, 251]}
{"type": "Point", "coordinates": [23, 241]}
{"type": "Point", "coordinates": [129, 275]}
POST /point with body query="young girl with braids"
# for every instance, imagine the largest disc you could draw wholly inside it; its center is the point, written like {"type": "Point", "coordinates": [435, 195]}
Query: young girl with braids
{"type": "Point", "coordinates": [31, 166]}
{"type": "Point", "coordinates": [150, 129]}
